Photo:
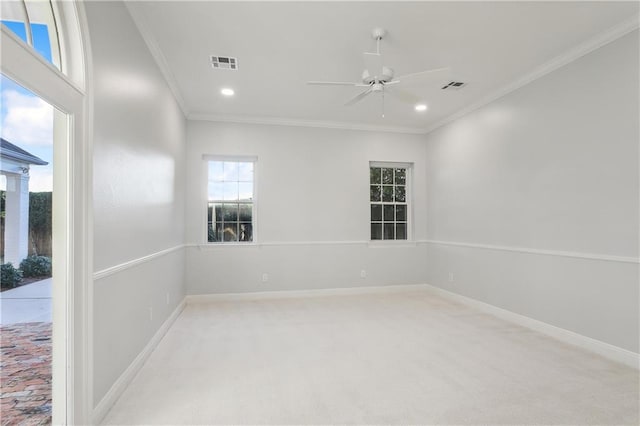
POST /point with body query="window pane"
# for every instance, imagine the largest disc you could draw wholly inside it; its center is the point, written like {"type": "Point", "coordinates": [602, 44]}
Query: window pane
{"type": "Point", "coordinates": [215, 191]}
{"type": "Point", "coordinates": [211, 233]}
{"type": "Point", "coordinates": [245, 191]}
{"type": "Point", "coordinates": [217, 234]}
{"type": "Point", "coordinates": [246, 213]}
{"type": "Point", "coordinates": [245, 172]}
{"type": "Point", "coordinates": [246, 232]}
{"type": "Point", "coordinates": [231, 231]}
{"type": "Point", "coordinates": [230, 191]}
{"type": "Point", "coordinates": [216, 171]}
{"type": "Point", "coordinates": [387, 193]}
{"type": "Point", "coordinates": [400, 194]}
{"type": "Point", "coordinates": [41, 35]}
{"type": "Point", "coordinates": [376, 212]}
{"type": "Point", "coordinates": [401, 177]}
{"type": "Point", "coordinates": [14, 16]}
{"type": "Point", "coordinates": [388, 231]}
{"type": "Point", "coordinates": [387, 176]}
{"type": "Point", "coordinates": [41, 43]}
{"type": "Point", "coordinates": [217, 213]}
{"type": "Point", "coordinates": [401, 231]}
{"type": "Point", "coordinates": [210, 213]}
{"type": "Point", "coordinates": [230, 171]}
{"type": "Point", "coordinates": [43, 30]}
{"type": "Point", "coordinates": [389, 214]}
{"type": "Point", "coordinates": [376, 231]}
{"type": "Point", "coordinates": [18, 28]}
{"type": "Point", "coordinates": [230, 212]}
{"type": "Point", "coordinates": [375, 193]}
{"type": "Point", "coordinates": [375, 175]}
{"type": "Point", "coordinates": [401, 213]}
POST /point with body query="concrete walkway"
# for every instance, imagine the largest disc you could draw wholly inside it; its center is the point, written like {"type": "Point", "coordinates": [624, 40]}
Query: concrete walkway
{"type": "Point", "coordinates": [27, 303]}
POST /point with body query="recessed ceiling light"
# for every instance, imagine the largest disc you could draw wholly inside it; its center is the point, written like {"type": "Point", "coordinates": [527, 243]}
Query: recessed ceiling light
{"type": "Point", "coordinates": [227, 92]}
{"type": "Point", "coordinates": [421, 107]}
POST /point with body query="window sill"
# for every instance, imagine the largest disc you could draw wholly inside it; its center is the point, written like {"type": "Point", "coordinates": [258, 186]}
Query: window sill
{"type": "Point", "coordinates": [213, 246]}
{"type": "Point", "coordinates": [258, 245]}
{"type": "Point", "coordinates": [389, 243]}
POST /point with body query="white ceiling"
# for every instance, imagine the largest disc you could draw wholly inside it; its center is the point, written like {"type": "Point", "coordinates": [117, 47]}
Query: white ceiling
{"type": "Point", "coordinates": [281, 45]}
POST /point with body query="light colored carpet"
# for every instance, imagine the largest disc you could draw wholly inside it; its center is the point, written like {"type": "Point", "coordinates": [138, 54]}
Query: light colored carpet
{"type": "Point", "coordinates": [407, 357]}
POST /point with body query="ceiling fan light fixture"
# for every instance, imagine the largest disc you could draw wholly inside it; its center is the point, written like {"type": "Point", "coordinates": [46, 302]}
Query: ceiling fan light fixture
{"type": "Point", "coordinates": [376, 77]}
{"type": "Point", "coordinates": [227, 92]}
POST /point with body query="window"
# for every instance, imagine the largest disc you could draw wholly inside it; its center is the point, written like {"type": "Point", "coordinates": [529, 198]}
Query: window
{"type": "Point", "coordinates": [35, 23]}
{"type": "Point", "coordinates": [389, 186]}
{"type": "Point", "coordinates": [231, 205]}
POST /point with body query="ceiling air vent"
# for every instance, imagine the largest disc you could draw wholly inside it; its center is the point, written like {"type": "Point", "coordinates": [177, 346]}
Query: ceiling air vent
{"type": "Point", "coordinates": [224, 62]}
{"type": "Point", "coordinates": [454, 85]}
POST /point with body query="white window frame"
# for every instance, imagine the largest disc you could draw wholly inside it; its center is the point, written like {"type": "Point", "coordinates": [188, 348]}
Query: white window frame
{"type": "Point", "coordinates": [254, 222]}
{"type": "Point", "coordinates": [409, 199]}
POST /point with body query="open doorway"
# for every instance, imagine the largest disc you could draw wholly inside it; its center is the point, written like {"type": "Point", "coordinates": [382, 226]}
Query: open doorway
{"type": "Point", "coordinates": [57, 75]}
{"type": "Point", "coordinates": [26, 304]}
{"type": "Point", "coordinates": [35, 282]}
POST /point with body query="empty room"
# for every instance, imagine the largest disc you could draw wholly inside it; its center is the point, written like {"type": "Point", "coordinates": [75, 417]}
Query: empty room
{"type": "Point", "coordinates": [330, 212]}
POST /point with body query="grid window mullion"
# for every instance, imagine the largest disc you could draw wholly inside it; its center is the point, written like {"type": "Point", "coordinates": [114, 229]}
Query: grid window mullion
{"type": "Point", "coordinates": [389, 204]}
{"type": "Point", "coordinates": [231, 200]}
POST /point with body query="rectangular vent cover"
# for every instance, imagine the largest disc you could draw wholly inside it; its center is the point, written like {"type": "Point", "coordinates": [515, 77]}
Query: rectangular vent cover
{"type": "Point", "coordinates": [454, 85]}
{"type": "Point", "coordinates": [224, 62]}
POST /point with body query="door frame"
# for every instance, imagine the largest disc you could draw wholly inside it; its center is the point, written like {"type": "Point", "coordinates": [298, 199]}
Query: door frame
{"type": "Point", "coordinates": [72, 386]}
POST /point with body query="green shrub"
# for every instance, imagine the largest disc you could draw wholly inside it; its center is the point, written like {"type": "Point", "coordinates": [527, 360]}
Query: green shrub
{"type": "Point", "coordinates": [36, 266]}
{"type": "Point", "coordinates": [10, 276]}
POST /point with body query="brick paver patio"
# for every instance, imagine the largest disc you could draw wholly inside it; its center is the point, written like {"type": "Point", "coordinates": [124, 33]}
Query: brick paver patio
{"type": "Point", "coordinates": [25, 374]}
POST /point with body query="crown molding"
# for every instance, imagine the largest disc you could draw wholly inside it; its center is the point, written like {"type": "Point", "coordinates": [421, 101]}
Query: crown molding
{"type": "Point", "coordinates": [276, 121]}
{"type": "Point", "coordinates": [571, 55]}
{"type": "Point", "coordinates": [138, 19]}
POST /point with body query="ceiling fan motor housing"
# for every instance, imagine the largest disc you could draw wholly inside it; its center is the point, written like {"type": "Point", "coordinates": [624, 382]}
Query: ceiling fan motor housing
{"type": "Point", "coordinates": [387, 76]}
{"type": "Point", "coordinates": [378, 33]}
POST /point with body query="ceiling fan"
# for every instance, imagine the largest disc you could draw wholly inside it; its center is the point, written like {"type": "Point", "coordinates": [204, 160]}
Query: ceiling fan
{"type": "Point", "coordinates": [378, 78]}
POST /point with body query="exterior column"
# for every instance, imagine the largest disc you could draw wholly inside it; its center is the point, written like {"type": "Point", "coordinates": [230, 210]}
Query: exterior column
{"type": "Point", "coordinates": [16, 222]}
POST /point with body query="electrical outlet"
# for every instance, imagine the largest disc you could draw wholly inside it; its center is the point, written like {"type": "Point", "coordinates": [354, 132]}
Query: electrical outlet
{"type": "Point", "coordinates": [363, 274]}
{"type": "Point", "coordinates": [265, 277]}
{"type": "Point", "coordinates": [450, 277]}
{"type": "Point", "coordinates": [150, 314]}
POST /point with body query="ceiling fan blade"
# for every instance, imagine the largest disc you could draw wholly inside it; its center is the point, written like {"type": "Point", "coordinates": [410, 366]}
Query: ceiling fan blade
{"type": "Point", "coordinates": [402, 95]}
{"type": "Point", "coordinates": [358, 97]}
{"type": "Point", "coordinates": [423, 75]}
{"type": "Point", "coordinates": [373, 64]}
{"type": "Point", "coordinates": [332, 83]}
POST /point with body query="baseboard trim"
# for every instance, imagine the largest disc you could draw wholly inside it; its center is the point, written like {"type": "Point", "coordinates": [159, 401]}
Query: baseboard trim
{"type": "Point", "coordinates": [606, 350]}
{"type": "Point", "coordinates": [289, 294]}
{"type": "Point", "coordinates": [116, 390]}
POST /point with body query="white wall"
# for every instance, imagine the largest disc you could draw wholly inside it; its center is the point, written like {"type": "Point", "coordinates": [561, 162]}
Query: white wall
{"type": "Point", "coordinates": [312, 211]}
{"type": "Point", "coordinates": [552, 166]}
{"type": "Point", "coordinates": [139, 150]}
